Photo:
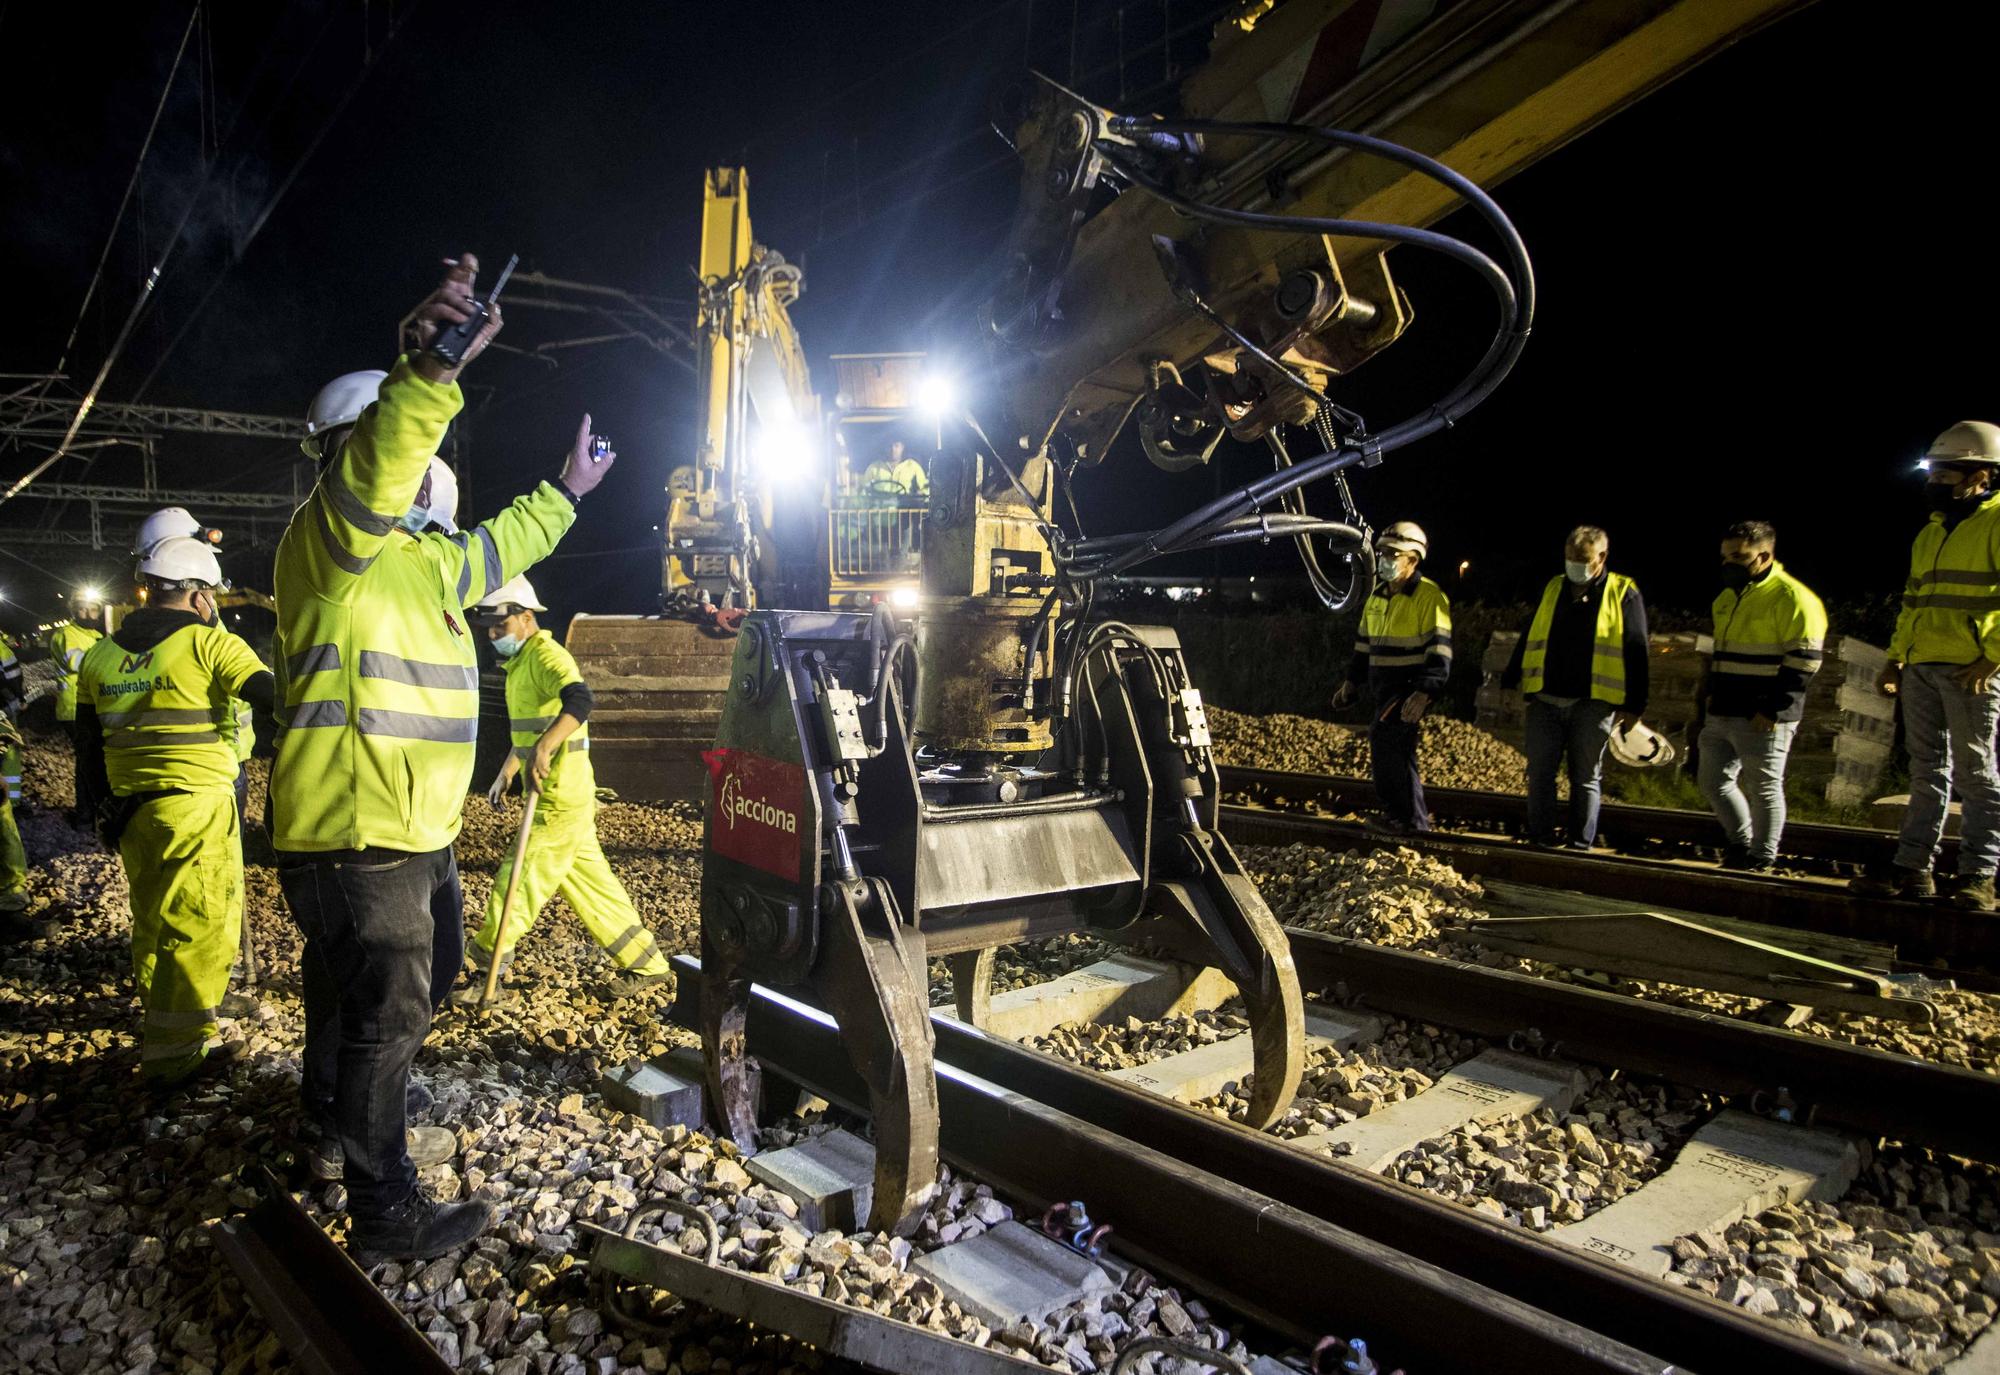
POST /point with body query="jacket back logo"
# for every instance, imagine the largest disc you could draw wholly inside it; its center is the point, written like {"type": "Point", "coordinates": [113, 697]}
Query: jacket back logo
{"type": "Point", "coordinates": [132, 663]}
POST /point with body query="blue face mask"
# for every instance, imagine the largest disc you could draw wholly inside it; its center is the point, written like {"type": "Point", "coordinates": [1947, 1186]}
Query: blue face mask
{"type": "Point", "coordinates": [416, 520]}
{"type": "Point", "coordinates": [506, 646]}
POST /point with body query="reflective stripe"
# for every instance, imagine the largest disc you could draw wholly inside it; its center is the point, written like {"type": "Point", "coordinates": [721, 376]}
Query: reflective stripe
{"type": "Point", "coordinates": [1748, 670]}
{"type": "Point", "coordinates": [536, 724]}
{"type": "Point", "coordinates": [1941, 601]}
{"type": "Point", "coordinates": [313, 659]}
{"type": "Point", "coordinates": [165, 716]}
{"type": "Point", "coordinates": [1739, 656]}
{"type": "Point", "coordinates": [625, 938]}
{"type": "Point", "coordinates": [1973, 577]}
{"type": "Point", "coordinates": [307, 715]}
{"type": "Point", "coordinates": [1394, 660]}
{"type": "Point", "coordinates": [1605, 680]}
{"type": "Point", "coordinates": [345, 561]}
{"type": "Point", "coordinates": [352, 509]}
{"type": "Point", "coordinates": [180, 1021]}
{"type": "Point", "coordinates": [172, 1050]}
{"type": "Point", "coordinates": [417, 673]}
{"type": "Point", "coordinates": [410, 725]}
{"type": "Point", "coordinates": [141, 735]}
{"type": "Point", "coordinates": [464, 543]}
{"type": "Point", "coordinates": [570, 747]}
{"type": "Point", "coordinates": [492, 553]}
{"type": "Point", "coordinates": [1750, 647]}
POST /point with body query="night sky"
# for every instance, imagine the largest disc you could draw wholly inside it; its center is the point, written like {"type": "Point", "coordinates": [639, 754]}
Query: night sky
{"type": "Point", "coordinates": [1762, 291]}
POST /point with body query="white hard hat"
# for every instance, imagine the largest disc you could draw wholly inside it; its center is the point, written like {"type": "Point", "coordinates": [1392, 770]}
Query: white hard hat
{"type": "Point", "coordinates": [1969, 441]}
{"type": "Point", "coordinates": [340, 402]}
{"type": "Point", "coordinates": [437, 498]}
{"type": "Point", "coordinates": [516, 591]}
{"type": "Point", "coordinates": [1641, 747]}
{"type": "Point", "coordinates": [1405, 535]}
{"type": "Point", "coordinates": [181, 559]}
{"type": "Point", "coordinates": [167, 523]}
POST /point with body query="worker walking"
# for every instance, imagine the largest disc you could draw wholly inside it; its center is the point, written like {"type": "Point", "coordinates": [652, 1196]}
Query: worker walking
{"type": "Point", "coordinates": [1403, 654]}
{"type": "Point", "coordinates": [1944, 660]}
{"type": "Point", "coordinates": [152, 701]}
{"type": "Point", "coordinates": [548, 710]}
{"type": "Point", "coordinates": [67, 641]}
{"type": "Point", "coordinates": [380, 715]}
{"type": "Point", "coordinates": [1770, 631]}
{"type": "Point", "coordinates": [1581, 663]}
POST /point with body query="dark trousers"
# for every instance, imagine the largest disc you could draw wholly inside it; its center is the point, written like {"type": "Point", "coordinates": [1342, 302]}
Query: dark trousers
{"type": "Point", "coordinates": [75, 734]}
{"type": "Point", "coordinates": [1579, 732]}
{"type": "Point", "coordinates": [1392, 758]}
{"type": "Point", "coordinates": [373, 922]}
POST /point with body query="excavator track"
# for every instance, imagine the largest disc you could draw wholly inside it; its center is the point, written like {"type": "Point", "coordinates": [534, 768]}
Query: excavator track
{"type": "Point", "coordinates": [659, 685]}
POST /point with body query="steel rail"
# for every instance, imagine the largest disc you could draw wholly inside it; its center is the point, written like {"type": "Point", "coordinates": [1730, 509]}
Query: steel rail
{"type": "Point", "coordinates": [330, 1316]}
{"type": "Point", "coordinates": [1935, 936]}
{"type": "Point", "coordinates": [1618, 823]}
{"type": "Point", "coordinates": [1426, 1281]}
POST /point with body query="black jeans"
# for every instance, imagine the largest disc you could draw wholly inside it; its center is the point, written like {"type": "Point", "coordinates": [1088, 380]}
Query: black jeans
{"type": "Point", "coordinates": [378, 925]}
{"type": "Point", "coordinates": [1392, 756]}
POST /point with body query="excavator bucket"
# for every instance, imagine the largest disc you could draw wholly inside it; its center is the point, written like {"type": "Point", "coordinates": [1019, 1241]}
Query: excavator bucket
{"type": "Point", "coordinates": [659, 686]}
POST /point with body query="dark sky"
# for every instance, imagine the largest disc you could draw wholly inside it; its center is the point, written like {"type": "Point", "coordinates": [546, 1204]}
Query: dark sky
{"type": "Point", "coordinates": [1762, 291]}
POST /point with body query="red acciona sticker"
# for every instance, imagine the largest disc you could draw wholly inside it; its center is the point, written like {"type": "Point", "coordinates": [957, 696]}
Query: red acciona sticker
{"type": "Point", "coordinates": [756, 807]}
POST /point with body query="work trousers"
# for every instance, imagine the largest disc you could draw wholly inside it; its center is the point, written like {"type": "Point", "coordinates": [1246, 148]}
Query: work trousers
{"type": "Point", "coordinates": [1579, 732]}
{"type": "Point", "coordinates": [563, 856]}
{"type": "Point", "coordinates": [76, 763]}
{"type": "Point", "coordinates": [1392, 759]}
{"type": "Point", "coordinates": [10, 769]}
{"type": "Point", "coordinates": [183, 859]}
{"type": "Point", "coordinates": [372, 921]}
{"type": "Point", "coordinates": [1949, 732]}
{"type": "Point", "coordinates": [13, 860]}
{"type": "Point", "coordinates": [1742, 775]}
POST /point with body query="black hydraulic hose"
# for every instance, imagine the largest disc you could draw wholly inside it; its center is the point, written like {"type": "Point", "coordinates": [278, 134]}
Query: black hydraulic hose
{"type": "Point", "coordinates": [1243, 529]}
{"type": "Point", "coordinates": [1514, 288]}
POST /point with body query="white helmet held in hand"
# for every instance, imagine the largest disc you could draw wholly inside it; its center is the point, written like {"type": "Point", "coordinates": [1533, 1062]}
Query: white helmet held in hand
{"type": "Point", "coordinates": [1641, 747]}
{"type": "Point", "coordinates": [516, 592]}
{"type": "Point", "coordinates": [182, 560]}
{"type": "Point", "coordinates": [168, 523]}
{"type": "Point", "coordinates": [437, 501]}
{"type": "Point", "coordinates": [1405, 536]}
{"type": "Point", "coordinates": [340, 403]}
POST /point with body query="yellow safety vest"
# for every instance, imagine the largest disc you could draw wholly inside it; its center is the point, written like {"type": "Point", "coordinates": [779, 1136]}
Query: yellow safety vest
{"type": "Point", "coordinates": [536, 676]}
{"type": "Point", "coordinates": [1607, 655]}
{"type": "Point", "coordinates": [381, 685]}
{"type": "Point", "coordinates": [68, 643]}
{"type": "Point", "coordinates": [1400, 633]}
{"type": "Point", "coordinates": [1951, 604]}
{"type": "Point", "coordinates": [1774, 624]}
{"type": "Point", "coordinates": [908, 476]}
{"type": "Point", "coordinates": [164, 710]}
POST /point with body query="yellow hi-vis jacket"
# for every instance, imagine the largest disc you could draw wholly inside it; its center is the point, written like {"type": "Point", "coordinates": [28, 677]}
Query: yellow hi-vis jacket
{"type": "Point", "coordinates": [536, 676]}
{"type": "Point", "coordinates": [1768, 642]}
{"type": "Point", "coordinates": [164, 711]}
{"type": "Point", "coordinates": [1405, 640]}
{"type": "Point", "coordinates": [67, 644]}
{"type": "Point", "coordinates": [1607, 656]}
{"type": "Point", "coordinates": [1951, 605]}
{"type": "Point", "coordinates": [380, 705]}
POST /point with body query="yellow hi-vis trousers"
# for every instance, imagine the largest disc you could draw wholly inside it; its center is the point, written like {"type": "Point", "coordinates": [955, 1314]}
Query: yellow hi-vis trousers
{"type": "Point", "coordinates": [10, 769]}
{"type": "Point", "coordinates": [13, 860]}
{"type": "Point", "coordinates": [564, 857]}
{"type": "Point", "coordinates": [183, 858]}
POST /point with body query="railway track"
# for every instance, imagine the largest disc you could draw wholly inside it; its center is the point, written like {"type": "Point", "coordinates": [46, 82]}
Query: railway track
{"type": "Point", "coordinates": [1933, 937]}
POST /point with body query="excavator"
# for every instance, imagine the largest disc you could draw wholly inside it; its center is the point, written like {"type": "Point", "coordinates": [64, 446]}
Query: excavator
{"type": "Point", "coordinates": [769, 511]}
{"type": "Point", "coordinates": [999, 764]}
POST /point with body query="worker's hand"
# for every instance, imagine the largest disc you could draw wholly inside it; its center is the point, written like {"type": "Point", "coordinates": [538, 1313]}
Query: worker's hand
{"type": "Point", "coordinates": [450, 304]}
{"type": "Point", "coordinates": [1343, 696]}
{"type": "Point", "coordinates": [1977, 676]}
{"type": "Point", "coordinates": [1414, 707]}
{"type": "Point", "coordinates": [581, 473]}
{"type": "Point", "coordinates": [1763, 724]}
{"type": "Point", "coordinates": [1890, 681]}
{"type": "Point", "coordinates": [540, 762]}
{"type": "Point", "coordinates": [501, 782]}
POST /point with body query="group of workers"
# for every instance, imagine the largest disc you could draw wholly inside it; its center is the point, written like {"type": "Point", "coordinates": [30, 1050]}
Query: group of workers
{"type": "Point", "coordinates": [1581, 663]}
{"type": "Point", "coordinates": [375, 706]}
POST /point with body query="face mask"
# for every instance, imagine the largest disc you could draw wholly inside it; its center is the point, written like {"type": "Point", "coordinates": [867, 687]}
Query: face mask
{"type": "Point", "coordinates": [1385, 568]}
{"type": "Point", "coordinates": [415, 520]}
{"type": "Point", "coordinates": [1576, 572]}
{"type": "Point", "coordinates": [1944, 496]}
{"type": "Point", "coordinates": [1735, 577]}
{"type": "Point", "coordinates": [506, 646]}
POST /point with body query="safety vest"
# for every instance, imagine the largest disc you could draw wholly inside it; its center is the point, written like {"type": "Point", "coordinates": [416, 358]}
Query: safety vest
{"type": "Point", "coordinates": [1951, 604]}
{"type": "Point", "coordinates": [164, 711]}
{"type": "Point", "coordinates": [906, 476]}
{"type": "Point", "coordinates": [381, 685]}
{"type": "Point", "coordinates": [1607, 653]}
{"type": "Point", "coordinates": [536, 676]}
{"type": "Point", "coordinates": [1778, 623]}
{"type": "Point", "coordinates": [10, 673]}
{"type": "Point", "coordinates": [1408, 635]}
{"type": "Point", "coordinates": [67, 645]}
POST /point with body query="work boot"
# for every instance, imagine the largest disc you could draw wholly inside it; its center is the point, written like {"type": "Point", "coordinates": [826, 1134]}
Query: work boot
{"type": "Point", "coordinates": [1974, 893]}
{"type": "Point", "coordinates": [418, 1228]}
{"type": "Point", "coordinates": [428, 1146]}
{"type": "Point", "coordinates": [239, 1005]}
{"type": "Point", "coordinates": [1736, 856]}
{"type": "Point", "coordinates": [632, 981]}
{"type": "Point", "coordinates": [217, 1061]}
{"type": "Point", "coordinates": [1895, 881]}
